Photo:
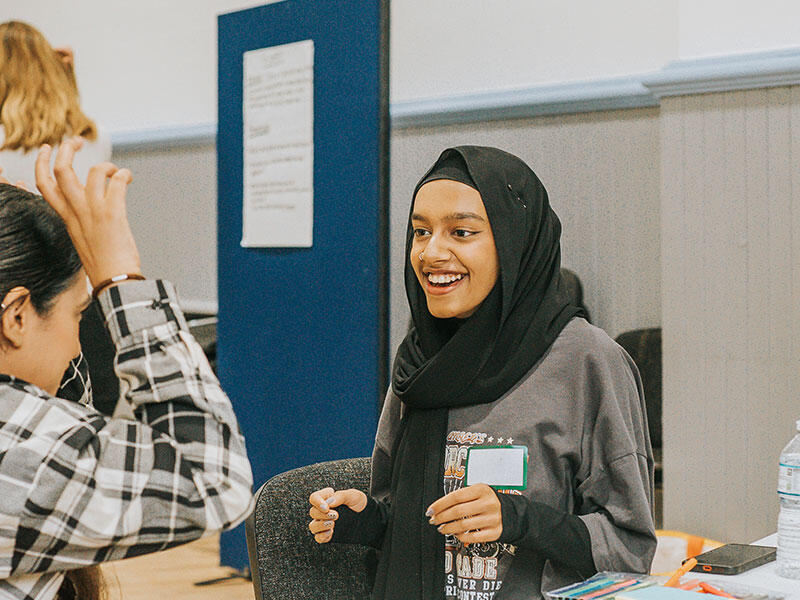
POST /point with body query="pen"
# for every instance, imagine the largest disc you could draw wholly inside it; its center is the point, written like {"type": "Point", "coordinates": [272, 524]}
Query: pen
{"type": "Point", "coordinates": [710, 589]}
{"type": "Point", "coordinates": [684, 568]}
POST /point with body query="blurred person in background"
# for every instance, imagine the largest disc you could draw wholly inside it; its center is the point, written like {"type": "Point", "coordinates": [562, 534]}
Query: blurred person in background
{"type": "Point", "coordinates": [39, 104]}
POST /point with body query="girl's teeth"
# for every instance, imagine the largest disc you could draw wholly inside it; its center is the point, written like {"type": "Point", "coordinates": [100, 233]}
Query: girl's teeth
{"type": "Point", "coordinates": [440, 279]}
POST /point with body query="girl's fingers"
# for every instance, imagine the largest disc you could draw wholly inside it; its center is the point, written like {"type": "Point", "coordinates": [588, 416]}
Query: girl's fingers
{"type": "Point", "coordinates": [323, 538]}
{"type": "Point", "coordinates": [65, 175]}
{"type": "Point", "coordinates": [317, 526]}
{"type": "Point", "coordinates": [118, 186]}
{"type": "Point", "coordinates": [461, 495]}
{"type": "Point", "coordinates": [469, 524]}
{"type": "Point", "coordinates": [96, 181]}
{"type": "Point", "coordinates": [459, 511]}
{"type": "Point", "coordinates": [316, 513]}
{"type": "Point", "coordinates": [482, 536]}
{"type": "Point", "coordinates": [319, 498]}
{"type": "Point", "coordinates": [354, 499]}
{"type": "Point", "coordinates": [47, 185]}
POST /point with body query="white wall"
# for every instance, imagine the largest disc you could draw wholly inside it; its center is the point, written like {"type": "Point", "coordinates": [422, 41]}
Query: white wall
{"type": "Point", "coordinates": [140, 65]}
{"type": "Point", "coordinates": [149, 64]}
{"type": "Point", "coordinates": [446, 47]}
{"type": "Point", "coordinates": [720, 27]}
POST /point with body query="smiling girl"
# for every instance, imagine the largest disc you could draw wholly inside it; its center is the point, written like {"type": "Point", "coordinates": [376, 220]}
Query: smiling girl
{"type": "Point", "coordinates": [499, 365]}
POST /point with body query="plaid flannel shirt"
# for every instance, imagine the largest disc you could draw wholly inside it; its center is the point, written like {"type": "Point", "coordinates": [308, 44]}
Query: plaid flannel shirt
{"type": "Point", "coordinates": [78, 487]}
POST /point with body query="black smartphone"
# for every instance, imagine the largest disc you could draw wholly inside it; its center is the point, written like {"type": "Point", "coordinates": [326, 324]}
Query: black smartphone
{"type": "Point", "coordinates": [731, 559]}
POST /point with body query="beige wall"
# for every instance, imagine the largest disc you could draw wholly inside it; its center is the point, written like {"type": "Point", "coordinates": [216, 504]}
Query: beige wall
{"type": "Point", "coordinates": [731, 319]}
{"type": "Point", "coordinates": [172, 205]}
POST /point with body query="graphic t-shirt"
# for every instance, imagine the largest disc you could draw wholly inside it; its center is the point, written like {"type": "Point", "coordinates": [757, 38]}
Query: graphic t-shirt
{"type": "Point", "coordinates": [473, 572]}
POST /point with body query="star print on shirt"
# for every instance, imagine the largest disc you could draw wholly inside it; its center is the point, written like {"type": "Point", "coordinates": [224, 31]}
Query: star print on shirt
{"type": "Point", "coordinates": [499, 440]}
{"type": "Point", "coordinates": [491, 439]}
{"type": "Point", "coordinates": [509, 440]}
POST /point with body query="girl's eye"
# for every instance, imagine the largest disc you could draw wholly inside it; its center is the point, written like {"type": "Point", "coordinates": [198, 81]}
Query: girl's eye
{"type": "Point", "coordinates": [418, 232]}
{"type": "Point", "coordinates": [463, 233]}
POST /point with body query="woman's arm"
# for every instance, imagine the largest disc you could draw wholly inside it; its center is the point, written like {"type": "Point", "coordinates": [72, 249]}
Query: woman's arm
{"type": "Point", "coordinates": [92, 488]}
{"type": "Point", "coordinates": [561, 537]}
{"type": "Point", "coordinates": [614, 493]}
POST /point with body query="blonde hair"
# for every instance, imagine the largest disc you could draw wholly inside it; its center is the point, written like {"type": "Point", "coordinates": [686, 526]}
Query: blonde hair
{"type": "Point", "coordinates": [38, 93]}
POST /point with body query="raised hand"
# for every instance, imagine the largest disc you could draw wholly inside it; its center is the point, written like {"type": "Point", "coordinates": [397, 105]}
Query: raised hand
{"type": "Point", "coordinates": [95, 215]}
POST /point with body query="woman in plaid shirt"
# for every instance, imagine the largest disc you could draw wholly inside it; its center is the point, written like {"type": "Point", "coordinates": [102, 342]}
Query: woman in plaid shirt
{"type": "Point", "coordinates": [77, 487]}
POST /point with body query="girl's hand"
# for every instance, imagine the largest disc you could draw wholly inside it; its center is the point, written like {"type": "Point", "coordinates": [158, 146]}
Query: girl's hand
{"type": "Point", "coordinates": [95, 215]}
{"type": "Point", "coordinates": [472, 514]}
{"type": "Point", "coordinates": [322, 501]}
{"type": "Point", "coordinates": [66, 54]}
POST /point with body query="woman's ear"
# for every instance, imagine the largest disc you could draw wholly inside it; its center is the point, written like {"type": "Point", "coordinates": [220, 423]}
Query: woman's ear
{"type": "Point", "coordinates": [14, 315]}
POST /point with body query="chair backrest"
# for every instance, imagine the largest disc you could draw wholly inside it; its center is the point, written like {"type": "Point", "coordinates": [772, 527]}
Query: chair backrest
{"type": "Point", "coordinates": [285, 560]}
{"type": "Point", "coordinates": [572, 285]}
{"type": "Point", "coordinates": [644, 346]}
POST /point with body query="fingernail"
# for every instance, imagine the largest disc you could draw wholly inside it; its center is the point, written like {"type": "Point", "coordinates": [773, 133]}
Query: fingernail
{"type": "Point", "coordinates": [432, 521]}
{"type": "Point", "coordinates": [429, 512]}
{"type": "Point", "coordinates": [439, 528]}
{"type": "Point", "coordinates": [324, 506]}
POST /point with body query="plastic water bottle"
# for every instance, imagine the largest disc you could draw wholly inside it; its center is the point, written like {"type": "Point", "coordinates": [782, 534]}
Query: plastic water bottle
{"type": "Point", "coordinates": [788, 558]}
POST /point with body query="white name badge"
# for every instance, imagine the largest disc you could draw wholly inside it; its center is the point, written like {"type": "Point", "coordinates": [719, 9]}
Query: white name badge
{"type": "Point", "coordinates": [502, 467]}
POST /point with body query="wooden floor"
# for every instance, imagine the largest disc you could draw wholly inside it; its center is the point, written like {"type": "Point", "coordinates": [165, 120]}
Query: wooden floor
{"type": "Point", "coordinates": [171, 575]}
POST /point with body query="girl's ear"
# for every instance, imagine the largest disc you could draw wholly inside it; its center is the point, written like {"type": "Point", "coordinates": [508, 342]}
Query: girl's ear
{"type": "Point", "coordinates": [14, 314]}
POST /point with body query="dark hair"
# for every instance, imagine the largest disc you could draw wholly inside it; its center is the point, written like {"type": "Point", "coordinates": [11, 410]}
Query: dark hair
{"type": "Point", "coordinates": [36, 251]}
{"type": "Point", "coordinates": [87, 583]}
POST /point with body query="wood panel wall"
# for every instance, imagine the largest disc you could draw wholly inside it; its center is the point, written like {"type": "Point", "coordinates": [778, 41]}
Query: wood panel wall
{"type": "Point", "coordinates": [730, 223]}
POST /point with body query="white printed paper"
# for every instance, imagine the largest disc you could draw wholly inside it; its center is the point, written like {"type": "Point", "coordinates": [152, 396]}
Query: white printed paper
{"type": "Point", "coordinates": [500, 467]}
{"type": "Point", "coordinates": [278, 132]}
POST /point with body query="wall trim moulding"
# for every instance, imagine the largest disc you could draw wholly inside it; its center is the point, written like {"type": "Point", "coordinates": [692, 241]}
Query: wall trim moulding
{"type": "Point", "coordinates": [558, 99]}
{"type": "Point", "coordinates": [769, 68]}
{"type": "Point", "coordinates": [164, 138]}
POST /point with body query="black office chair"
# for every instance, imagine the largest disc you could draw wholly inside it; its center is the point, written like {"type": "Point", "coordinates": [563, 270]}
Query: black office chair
{"type": "Point", "coordinates": [572, 284]}
{"type": "Point", "coordinates": [644, 346]}
{"type": "Point", "coordinates": [285, 560]}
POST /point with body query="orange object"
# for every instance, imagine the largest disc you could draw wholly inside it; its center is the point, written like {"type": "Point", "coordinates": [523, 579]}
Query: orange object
{"type": "Point", "coordinates": [676, 576]}
{"type": "Point", "coordinates": [689, 585]}
{"type": "Point", "coordinates": [710, 589]}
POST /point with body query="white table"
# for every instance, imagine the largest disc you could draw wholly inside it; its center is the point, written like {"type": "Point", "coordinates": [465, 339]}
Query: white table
{"type": "Point", "coordinates": [763, 577]}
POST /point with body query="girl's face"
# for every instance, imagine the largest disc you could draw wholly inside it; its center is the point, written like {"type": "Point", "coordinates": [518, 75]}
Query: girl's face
{"type": "Point", "coordinates": [46, 343]}
{"type": "Point", "coordinates": [459, 263]}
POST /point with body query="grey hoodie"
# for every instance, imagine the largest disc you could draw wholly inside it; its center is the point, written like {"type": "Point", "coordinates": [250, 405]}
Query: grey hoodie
{"type": "Point", "coordinates": [580, 411]}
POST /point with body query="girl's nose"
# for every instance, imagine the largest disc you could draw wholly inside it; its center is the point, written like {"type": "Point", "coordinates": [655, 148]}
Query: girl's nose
{"type": "Point", "coordinates": [436, 249]}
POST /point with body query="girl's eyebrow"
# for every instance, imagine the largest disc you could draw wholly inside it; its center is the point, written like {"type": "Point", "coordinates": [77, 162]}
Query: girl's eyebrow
{"type": "Point", "coordinates": [452, 217]}
{"type": "Point", "coordinates": [464, 216]}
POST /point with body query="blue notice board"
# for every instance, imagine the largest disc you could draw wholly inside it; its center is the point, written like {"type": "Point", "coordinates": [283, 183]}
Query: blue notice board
{"type": "Point", "coordinates": [303, 332]}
